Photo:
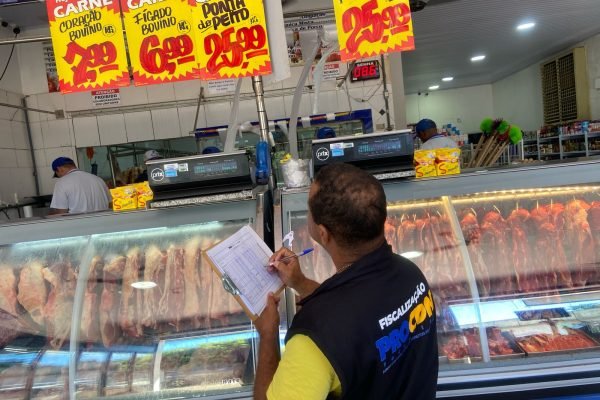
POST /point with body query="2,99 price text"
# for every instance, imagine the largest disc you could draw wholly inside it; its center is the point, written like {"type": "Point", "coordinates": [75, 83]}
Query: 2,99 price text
{"type": "Point", "coordinates": [88, 62]}
{"type": "Point", "coordinates": [366, 25]}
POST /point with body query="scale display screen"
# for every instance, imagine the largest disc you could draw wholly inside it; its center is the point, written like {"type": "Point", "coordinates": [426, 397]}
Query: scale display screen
{"type": "Point", "coordinates": [215, 171]}
{"type": "Point", "coordinates": [384, 151]}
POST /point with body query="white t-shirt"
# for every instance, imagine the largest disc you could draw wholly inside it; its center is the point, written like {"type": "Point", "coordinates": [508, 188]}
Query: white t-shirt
{"type": "Point", "coordinates": [80, 192]}
{"type": "Point", "coordinates": [439, 142]}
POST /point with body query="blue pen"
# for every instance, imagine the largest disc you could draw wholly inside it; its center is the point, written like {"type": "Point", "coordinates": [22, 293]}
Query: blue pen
{"type": "Point", "coordinates": [302, 253]}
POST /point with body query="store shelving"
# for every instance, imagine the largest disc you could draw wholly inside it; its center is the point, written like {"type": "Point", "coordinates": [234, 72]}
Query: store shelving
{"type": "Point", "coordinates": [577, 139]}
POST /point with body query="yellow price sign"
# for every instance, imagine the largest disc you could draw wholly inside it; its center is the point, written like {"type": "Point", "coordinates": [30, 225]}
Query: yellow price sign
{"type": "Point", "coordinates": [370, 27]}
{"type": "Point", "coordinates": [160, 40]}
{"type": "Point", "coordinates": [232, 38]}
{"type": "Point", "coordinates": [88, 44]}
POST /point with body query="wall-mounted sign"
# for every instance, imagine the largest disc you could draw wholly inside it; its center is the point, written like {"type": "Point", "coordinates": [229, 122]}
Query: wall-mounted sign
{"type": "Point", "coordinates": [365, 70]}
{"type": "Point", "coordinates": [232, 38]}
{"type": "Point", "coordinates": [370, 27]}
{"type": "Point", "coordinates": [88, 44]}
{"type": "Point", "coordinates": [106, 97]}
{"type": "Point", "coordinates": [160, 40]}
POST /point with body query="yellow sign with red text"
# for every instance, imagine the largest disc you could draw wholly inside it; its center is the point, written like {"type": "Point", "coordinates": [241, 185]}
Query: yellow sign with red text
{"type": "Point", "coordinates": [370, 27]}
{"type": "Point", "coordinates": [160, 40]}
{"type": "Point", "coordinates": [88, 44]}
{"type": "Point", "coordinates": [232, 38]}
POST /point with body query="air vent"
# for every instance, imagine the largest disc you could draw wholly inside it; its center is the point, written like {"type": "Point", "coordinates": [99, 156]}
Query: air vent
{"type": "Point", "coordinates": [565, 88]}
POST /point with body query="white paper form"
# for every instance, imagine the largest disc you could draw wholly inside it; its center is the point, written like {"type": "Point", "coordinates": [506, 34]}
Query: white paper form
{"type": "Point", "coordinates": [243, 257]}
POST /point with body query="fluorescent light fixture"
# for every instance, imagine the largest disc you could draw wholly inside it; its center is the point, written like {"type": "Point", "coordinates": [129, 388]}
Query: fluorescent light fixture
{"type": "Point", "coordinates": [143, 285]}
{"type": "Point", "coordinates": [448, 79]}
{"type": "Point", "coordinates": [478, 58]}
{"type": "Point", "coordinates": [525, 26]}
{"type": "Point", "coordinates": [434, 87]}
{"type": "Point", "coordinates": [412, 254]}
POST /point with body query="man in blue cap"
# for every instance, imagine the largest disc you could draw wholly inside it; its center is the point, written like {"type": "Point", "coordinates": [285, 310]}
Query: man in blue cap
{"type": "Point", "coordinates": [427, 131]}
{"type": "Point", "coordinates": [77, 191]}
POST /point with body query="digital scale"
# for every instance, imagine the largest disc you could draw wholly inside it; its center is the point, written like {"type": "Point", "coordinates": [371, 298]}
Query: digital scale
{"type": "Point", "coordinates": [386, 155]}
{"type": "Point", "coordinates": [199, 175]}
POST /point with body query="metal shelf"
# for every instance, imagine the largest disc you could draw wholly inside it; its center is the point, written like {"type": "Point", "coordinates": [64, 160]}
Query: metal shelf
{"type": "Point", "coordinates": [567, 153]}
{"type": "Point", "coordinates": [576, 135]}
{"type": "Point", "coordinates": [594, 134]}
{"type": "Point", "coordinates": [549, 154]}
{"type": "Point", "coordinates": [530, 140]}
{"type": "Point", "coordinates": [549, 138]}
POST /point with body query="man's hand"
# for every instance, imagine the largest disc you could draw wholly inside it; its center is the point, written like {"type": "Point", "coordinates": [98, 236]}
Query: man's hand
{"type": "Point", "coordinates": [290, 273]}
{"type": "Point", "coordinates": [267, 324]}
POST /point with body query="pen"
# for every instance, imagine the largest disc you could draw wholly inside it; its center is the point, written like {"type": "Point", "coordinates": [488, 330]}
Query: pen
{"type": "Point", "coordinates": [302, 253]}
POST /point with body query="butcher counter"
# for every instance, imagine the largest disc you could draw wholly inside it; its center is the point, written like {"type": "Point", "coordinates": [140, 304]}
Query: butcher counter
{"type": "Point", "coordinates": [122, 305]}
{"type": "Point", "coordinates": [513, 258]}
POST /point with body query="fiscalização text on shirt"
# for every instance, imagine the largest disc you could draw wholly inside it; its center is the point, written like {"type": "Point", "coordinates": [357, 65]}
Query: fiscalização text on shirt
{"type": "Point", "coordinates": [392, 346]}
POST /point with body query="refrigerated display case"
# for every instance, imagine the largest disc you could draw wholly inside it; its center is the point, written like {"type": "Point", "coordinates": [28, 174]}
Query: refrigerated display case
{"type": "Point", "coordinates": [123, 305]}
{"type": "Point", "coordinates": [513, 258]}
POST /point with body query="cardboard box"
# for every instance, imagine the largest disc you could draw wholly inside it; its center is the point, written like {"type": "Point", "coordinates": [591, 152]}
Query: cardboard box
{"type": "Point", "coordinates": [447, 161]}
{"type": "Point", "coordinates": [144, 194]}
{"type": "Point", "coordinates": [424, 161]}
{"type": "Point", "coordinates": [124, 198]}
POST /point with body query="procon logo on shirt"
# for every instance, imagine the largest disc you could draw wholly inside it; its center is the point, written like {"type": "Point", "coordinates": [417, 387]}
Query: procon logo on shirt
{"type": "Point", "coordinates": [407, 326]}
{"type": "Point", "coordinates": [157, 174]}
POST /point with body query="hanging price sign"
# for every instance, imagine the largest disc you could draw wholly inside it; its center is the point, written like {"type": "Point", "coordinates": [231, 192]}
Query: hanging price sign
{"type": "Point", "coordinates": [160, 40]}
{"type": "Point", "coordinates": [370, 27]}
{"type": "Point", "coordinates": [232, 38]}
{"type": "Point", "coordinates": [88, 44]}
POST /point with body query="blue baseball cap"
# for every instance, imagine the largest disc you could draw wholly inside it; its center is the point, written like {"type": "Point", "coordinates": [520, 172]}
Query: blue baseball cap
{"type": "Point", "coordinates": [424, 125]}
{"type": "Point", "coordinates": [59, 162]}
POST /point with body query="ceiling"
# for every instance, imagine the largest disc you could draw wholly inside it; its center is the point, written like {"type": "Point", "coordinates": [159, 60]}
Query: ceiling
{"type": "Point", "coordinates": [447, 34]}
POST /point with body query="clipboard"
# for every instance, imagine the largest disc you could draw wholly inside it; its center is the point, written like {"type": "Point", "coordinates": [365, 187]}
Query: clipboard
{"type": "Point", "coordinates": [240, 262]}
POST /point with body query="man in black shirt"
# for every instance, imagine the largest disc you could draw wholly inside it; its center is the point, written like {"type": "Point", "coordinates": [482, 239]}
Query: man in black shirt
{"type": "Point", "coordinates": [370, 329]}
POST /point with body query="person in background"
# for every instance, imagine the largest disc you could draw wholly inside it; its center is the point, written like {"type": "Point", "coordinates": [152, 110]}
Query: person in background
{"type": "Point", "coordinates": [77, 191]}
{"type": "Point", "coordinates": [427, 131]}
{"type": "Point", "coordinates": [367, 332]}
{"type": "Point", "coordinates": [149, 155]}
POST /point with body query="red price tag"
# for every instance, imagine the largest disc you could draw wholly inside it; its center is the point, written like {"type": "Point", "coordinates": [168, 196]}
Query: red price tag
{"type": "Point", "coordinates": [157, 57]}
{"type": "Point", "coordinates": [232, 51]}
{"type": "Point", "coordinates": [88, 62]}
{"type": "Point", "coordinates": [365, 25]}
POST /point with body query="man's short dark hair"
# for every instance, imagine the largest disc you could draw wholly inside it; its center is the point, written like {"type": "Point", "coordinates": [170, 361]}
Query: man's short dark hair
{"type": "Point", "coordinates": [350, 203]}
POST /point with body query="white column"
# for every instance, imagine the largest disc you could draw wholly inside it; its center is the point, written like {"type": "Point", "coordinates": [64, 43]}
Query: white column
{"type": "Point", "coordinates": [396, 77]}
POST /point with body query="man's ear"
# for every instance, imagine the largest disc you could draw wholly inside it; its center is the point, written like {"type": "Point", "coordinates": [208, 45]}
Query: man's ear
{"type": "Point", "coordinates": [324, 234]}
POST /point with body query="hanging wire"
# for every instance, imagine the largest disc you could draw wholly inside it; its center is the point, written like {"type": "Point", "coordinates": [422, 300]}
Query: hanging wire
{"type": "Point", "coordinates": [9, 58]}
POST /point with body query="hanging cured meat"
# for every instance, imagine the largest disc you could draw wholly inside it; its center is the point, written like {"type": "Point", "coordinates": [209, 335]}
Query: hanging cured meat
{"type": "Point", "coordinates": [527, 278]}
{"type": "Point", "coordinates": [32, 291]}
{"type": "Point", "coordinates": [90, 322]}
{"type": "Point", "coordinates": [191, 308]}
{"type": "Point", "coordinates": [154, 271]}
{"type": "Point", "coordinates": [472, 235]}
{"type": "Point", "coordinates": [8, 289]}
{"type": "Point", "coordinates": [170, 307]}
{"type": "Point", "coordinates": [579, 242]}
{"type": "Point", "coordinates": [59, 307]}
{"type": "Point", "coordinates": [109, 302]}
{"type": "Point", "coordinates": [130, 312]}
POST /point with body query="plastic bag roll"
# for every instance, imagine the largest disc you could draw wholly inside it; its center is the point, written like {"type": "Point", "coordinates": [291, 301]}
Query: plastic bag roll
{"type": "Point", "coordinates": [280, 63]}
{"type": "Point", "coordinates": [233, 120]}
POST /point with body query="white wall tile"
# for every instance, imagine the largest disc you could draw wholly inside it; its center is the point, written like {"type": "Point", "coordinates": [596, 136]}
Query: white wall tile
{"type": "Point", "coordinates": [186, 119]}
{"type": "Point", "coordinates": [32, 67]}
{"type": "Point", "coordinates": [24, 182]}
{"type": "Point", "coordinates": [55, 152]}
{"type": "Point", "coordinates": [57, 134]}
{"type": "Point", "coordinates": [32, 103]}
{"type": "Point", "coordinates": [8, 158]}
{"type": "Point", "coordinates": [40, 158]}
{"type": "Point", "coordinates": [139, 126]}
{"type": "Point", "coordinates": [327, 102]}
{"type": "Point", "coordinates": [159, 93]}
{"type": "Point", "coordinates": [186, 90]}
{"type": "Point", "coordinates": [292, 81]}
{"type": "Point", "coordinates": [6, 135]}
{"type": "Point", "coordinates": [247, 111]}
{"type": "Point", "coordinates": [37, 136]}
{"type": "Point", "coordinates": [50, 102]}
{"type": "Point", "coordinates": [46, 180]}
{"type": "Point", "coordinates": [305, 105]}
{"type": "Point", "coordinates": [165, 123]}
{"type": "Point", "coordinates": [19, 134]}
{"type": "Point", "coordinates": [112, 129]}
{"type": "Point", "coordinates": [86, 131]}
{"type": "Point", "coordinates": [5, 112]}
{"type": "Point", "coordinates": [78, 101]}
{"type": "Point", "coordinates": [217, 114]}
{"type": "Point", "coordinates": [275, 108]}
{"type": "Point", "coordinates": [355, 94]}
{"type": "Point", "coordinates": [133, 95]}
{"type": "Point", "coordinates": [24, 159]}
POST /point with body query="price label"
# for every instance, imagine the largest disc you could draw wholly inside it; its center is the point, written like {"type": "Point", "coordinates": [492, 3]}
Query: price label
{"type": "Point", "coordinates": [370, 27]}
{"type": "Point", "coordinates": [160, 39]}
{"type": "Point", "coordinates": [233, 38]}
{"type": "Point", "coordinates": [90, 49]}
